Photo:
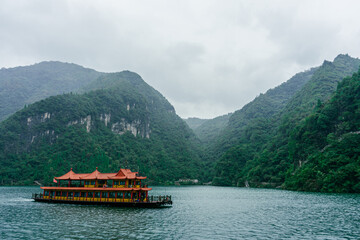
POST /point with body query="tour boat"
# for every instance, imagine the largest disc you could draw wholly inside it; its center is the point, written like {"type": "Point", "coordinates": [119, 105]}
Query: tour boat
{"type": "Point", "coordinates": [123, 188]}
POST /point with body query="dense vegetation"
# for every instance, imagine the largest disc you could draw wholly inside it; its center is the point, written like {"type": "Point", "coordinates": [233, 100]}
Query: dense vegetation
{"type": "Point", "coordinates": [264, 153]}
{"type": "Point", "coordinates": [208, 130]}
{"type": "Point", "coordinates": [125, 123]}
{"type": "Point", "coordinates": [25, 85]}
{"type": "Point", "coordinates": [251, 122]}
{"type": "Point", "coordinates": [325, 148]}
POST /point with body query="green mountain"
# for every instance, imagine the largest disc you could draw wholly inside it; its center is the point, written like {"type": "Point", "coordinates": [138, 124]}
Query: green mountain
{"type": "Point", "coordinates": [121, 122]}
{"type": "Point", "coordinates": [25, 85]}
{"type": "Point", "coordinates": [321, 87]}
{"type": "Point", "coordinates": [325, 147]}
{"type": "Point", "coordinates": [264, 153]}
{"type": "Point", "coordinates": [207, 130]}
{"type": "Point", "coordinates": [250, 123]}
{"type": "Point", "coordinates": [210, 130]}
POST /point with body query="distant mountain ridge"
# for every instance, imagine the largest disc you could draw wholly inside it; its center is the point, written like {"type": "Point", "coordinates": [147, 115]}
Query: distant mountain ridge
{"type": "Point", "coordinates": [194, 122]}
{"type": "Point", "coordinates": [20, 86]}
{"type": "Point", "coordinates": [210, 130]}
{"type": "Point", "coordinates": [322, 85]}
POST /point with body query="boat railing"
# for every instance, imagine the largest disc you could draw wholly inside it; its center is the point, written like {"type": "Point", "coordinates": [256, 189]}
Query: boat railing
{"type": "Point", "coordinates": [82, 186]}
{"type": "Point", "coordinates": [160, 198]}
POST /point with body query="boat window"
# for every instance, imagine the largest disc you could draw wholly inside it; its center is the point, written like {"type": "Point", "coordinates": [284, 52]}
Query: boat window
{"type": "Point", "coordinates": [127, 195]}
{"type": "Point", "coordinates": [87, 183]}
{"type": "Point", "coordinates": [104, 195]}
{"type": "Point", "coordinates": [120, 195]}
{"type": "Point", "coordinates": [58, 193]}
{"type": "Point", "coordinates": [52, 193]}
{"type": "Point", "coordinates": [46, 193]}
{"type": "Point", "coordinates": [63, 194]}
{"type": "Point", "coordinates": [97, 195]}
{"type": "Point", "coordinates": [83, 194]}
{"type": "Point", "coordinates": [70, 194]}
{"type": "Point", "coordinates": [101, 181]}
{"type": "Point", "coordinates": [77, 194]}
{"type": "Point", "coordinates": [111, 194]}
{"type": "Point", "coordinates": [116, 182]}
{"type": "Point", "coordinates": [137, 183]}
{"type": "Point", "coordinates": [92, 182]}
{"type": "Point", "coordinates": [122, 182]}
{"type": "Point", "coordinates": [90, 194]}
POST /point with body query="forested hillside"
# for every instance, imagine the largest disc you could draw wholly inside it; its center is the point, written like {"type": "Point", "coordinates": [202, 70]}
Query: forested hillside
{"type": "Point", "coordinates": [24, 85]}
{"type": "Point", "coordinates": [210, 130]}
{"type": "Point", "coordinates": [124, 123]}
{"type": "Point", "coordinates": [207, 130]}
{"type": "Point", "coordinates": [265, 154]}
{"type": "Point", "coordinates": [251, 123]}
{"type": "Point", "coordinates": [325, 147]}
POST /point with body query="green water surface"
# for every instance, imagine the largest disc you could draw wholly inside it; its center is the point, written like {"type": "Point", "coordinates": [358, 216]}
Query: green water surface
{"type": "Point", "coordinates": [198, 212]}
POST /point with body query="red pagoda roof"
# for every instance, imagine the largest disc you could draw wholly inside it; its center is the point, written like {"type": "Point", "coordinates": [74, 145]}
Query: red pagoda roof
{"type": "Point", "coordinates": [71, 176]}
{"type": "Point", "coordinates": [127, 174]}
{"type": "Point", "coordinates": [121, 174]}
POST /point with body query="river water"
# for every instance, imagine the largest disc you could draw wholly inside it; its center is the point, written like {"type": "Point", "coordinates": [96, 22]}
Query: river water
{"type": "Point", "coordinates": [198, 212]}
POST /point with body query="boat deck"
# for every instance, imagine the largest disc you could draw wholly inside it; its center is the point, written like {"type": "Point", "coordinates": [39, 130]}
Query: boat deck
{"type": "Point", "coordinates": [152, 202]}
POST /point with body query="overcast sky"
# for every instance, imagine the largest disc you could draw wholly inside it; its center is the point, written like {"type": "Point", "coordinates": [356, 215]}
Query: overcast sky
{"type": "Point", "coordinates": [208, 58]}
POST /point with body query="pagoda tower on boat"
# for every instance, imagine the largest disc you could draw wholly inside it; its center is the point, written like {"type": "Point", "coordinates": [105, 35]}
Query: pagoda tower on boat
{"type": "Point", "coordinates": [123, 188]}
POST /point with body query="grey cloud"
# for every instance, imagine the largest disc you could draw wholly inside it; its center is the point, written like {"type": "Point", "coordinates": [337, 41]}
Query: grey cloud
{"type": "Point", "coordinates": [207, 58]}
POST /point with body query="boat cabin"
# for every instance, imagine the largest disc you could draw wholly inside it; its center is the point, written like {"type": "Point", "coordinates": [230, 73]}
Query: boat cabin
{"type": "Point", "coordinates": [122, 186]}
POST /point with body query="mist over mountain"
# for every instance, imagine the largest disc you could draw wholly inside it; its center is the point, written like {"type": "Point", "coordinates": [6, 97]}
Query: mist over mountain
{"type": "Point", "coordinates": [194, 122]}
{"type": "Point", "coordinates": [20, 86]}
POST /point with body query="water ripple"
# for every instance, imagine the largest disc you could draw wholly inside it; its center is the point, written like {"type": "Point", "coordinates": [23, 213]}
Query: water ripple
{"type": "Point", "coordinates": [200, 212]}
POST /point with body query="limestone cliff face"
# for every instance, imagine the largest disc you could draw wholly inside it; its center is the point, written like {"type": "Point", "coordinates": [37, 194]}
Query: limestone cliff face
{"type": "Point", "coordinates": [36, 129]}
{"type": "Point", "coordinates": [33, 120]}
{"type": "Point", "coordinates": [83, 121]}
{"type": "Point", "coordinates": [106, 118]}
{"type": "Point", "coordinates": [36, 126]}
{"type": "Point", "coordinates": [136, 127]}
{"type": "Point", "coordinates": [39, 127]}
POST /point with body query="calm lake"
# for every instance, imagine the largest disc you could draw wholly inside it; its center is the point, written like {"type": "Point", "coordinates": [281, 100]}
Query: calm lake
{"type": "Point", "coordinates": [198, 212]}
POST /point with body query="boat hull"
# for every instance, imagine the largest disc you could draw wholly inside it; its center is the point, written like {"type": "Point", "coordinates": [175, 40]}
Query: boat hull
{"type": "Point", "coordinates": [162, 204]}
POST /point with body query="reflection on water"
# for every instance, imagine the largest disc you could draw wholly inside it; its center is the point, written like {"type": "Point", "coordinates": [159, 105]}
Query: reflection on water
{"type": "Point", "coordinates": [198, 212]}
